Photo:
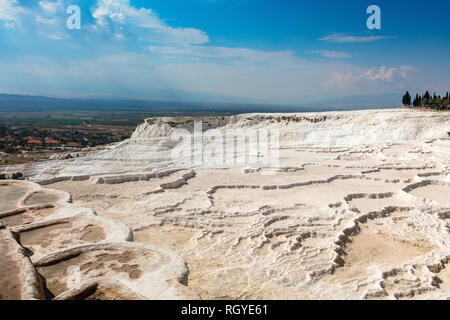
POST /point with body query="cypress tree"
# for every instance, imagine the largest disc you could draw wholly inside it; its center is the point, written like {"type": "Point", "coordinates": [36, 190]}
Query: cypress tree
{"type": "Point", "coordinates": [416, 101]}
{"type": "Point", "coordinates": [406, 99]}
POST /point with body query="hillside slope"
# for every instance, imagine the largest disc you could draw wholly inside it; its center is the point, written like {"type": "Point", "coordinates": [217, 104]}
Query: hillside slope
{"type": "Point", "coordinates": [150, 149]}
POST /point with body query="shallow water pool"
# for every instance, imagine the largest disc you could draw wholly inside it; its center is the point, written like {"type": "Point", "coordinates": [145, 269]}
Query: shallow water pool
{"type": "Point", "coordinates": [10, 196]}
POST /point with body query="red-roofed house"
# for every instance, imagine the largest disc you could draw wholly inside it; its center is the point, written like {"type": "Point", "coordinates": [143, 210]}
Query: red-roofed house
{"type": "Point", "coordinates": [30, 138]}
{"type": "Point", "coordinates": [51, 141]}
{"type": "Point", "coordinates": [7, 139]}
{"type": "Point", "coordinates": [35, 141]}
{"type": "Point", "coordinates": [73, 145]}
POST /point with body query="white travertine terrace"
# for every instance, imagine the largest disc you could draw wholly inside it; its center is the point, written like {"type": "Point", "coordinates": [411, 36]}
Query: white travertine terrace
{"type": "Point", "coordinates": [150, 147]}
{"type": "Point", "coordinates": [359, 208]}
{"type": "Point", "coordinates": [43, 239]}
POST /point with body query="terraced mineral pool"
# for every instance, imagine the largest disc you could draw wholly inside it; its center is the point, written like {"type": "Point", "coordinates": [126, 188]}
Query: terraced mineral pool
{"type": "Point", "coordinates": [9, 280]}
{"type": "Point", "coordinates": [41, 236]}
{"type": "Point", "coordinates": [46, 237]}
{"type": "Point", "coordinates": [108, 292]}
{"type": "Point", "coordinates": [14, 220]}
{"type": "Point", "coordinates": [40, 198]}
{"type": "Point", "coordinates": [102, 262]}
{"type": "Point", "coordinates": [10, 196]}
{"type": "Point", "coordinates": [439, 193]}
{"type": "Point", "coordinates": [26, 217]}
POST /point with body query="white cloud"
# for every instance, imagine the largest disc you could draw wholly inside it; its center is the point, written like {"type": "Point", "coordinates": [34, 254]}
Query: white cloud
{"type": "Point", "coordinates": [42, 20]}
{"type": "Point", "coordinates": [344, 38]}
{"type": "Point", "coordinates": [53, 36]}
{"type": "Point", "coordinates": [50, 6]}
{"type": "Point", "coordinates": [120, 12]}
{"type": "Point", "coordinates": [9, 10]}
{"type": "Point", "coordinates": [46, 21]}
{"type": "Point", "coordinates": [340, 80]}
{"type": "Point", "coordinates": [283, 59]}
{"type": "Point", "coordinates": [382, 74]}
{"type": "Point", "coordinates": [118, 18]}
{"type": "Point", "coordinates": [332, 54]}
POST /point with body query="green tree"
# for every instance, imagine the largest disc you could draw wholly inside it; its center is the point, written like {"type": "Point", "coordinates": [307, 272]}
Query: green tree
{"type": "Point", "coordinates": [416, 101]}
{"type": "Point", "coordinates": [9, 149]}
{"type": "Point", "coordinates": [444, 103]}
{"type": "Point", "coordinates": [425, 102]}
{"type": "Point", "coordinates": [406, 99]}
{"type": "Point", "coordinates": [17, 176]}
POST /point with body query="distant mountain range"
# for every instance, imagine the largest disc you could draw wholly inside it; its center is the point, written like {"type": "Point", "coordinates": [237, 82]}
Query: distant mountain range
{"type": "Point", "coordinates": [26, 103]}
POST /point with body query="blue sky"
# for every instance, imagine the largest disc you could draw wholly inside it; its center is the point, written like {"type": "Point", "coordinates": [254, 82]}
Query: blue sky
{"type": "Point", "coordinates": [273, 51]}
